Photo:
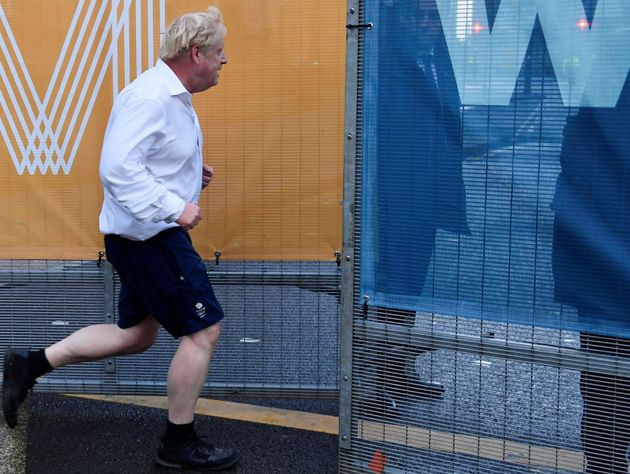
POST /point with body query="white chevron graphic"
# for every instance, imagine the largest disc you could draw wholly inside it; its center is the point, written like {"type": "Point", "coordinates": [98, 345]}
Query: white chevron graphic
{"type": "Point", "coordinates": [43, 135]}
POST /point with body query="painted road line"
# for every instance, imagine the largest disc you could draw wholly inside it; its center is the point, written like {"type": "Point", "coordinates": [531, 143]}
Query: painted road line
{"type": "Point", "coordinates": [489, 448]}
{"type": "Point", "coordinates": [237, 411]}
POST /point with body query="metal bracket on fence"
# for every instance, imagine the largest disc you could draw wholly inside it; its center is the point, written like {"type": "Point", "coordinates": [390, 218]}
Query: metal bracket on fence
{"type": "Point", "coordinates": [367, 26]}
{"type": "Point", "coordinates": [553, 356]}
{"type": "Point", "coordinates": [366, 300]}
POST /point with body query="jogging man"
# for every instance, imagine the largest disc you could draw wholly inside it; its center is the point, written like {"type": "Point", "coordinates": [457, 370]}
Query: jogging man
{"type": "Point", "coordinates": [153, 173]}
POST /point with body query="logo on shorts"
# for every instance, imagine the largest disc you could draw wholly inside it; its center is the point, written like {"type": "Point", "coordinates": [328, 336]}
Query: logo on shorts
{"type": "Point", "coordinates": [201, 310]}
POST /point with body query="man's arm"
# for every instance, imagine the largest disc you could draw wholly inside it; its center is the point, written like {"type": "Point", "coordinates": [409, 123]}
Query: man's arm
{"type": "Point", "coordinates": [192, 213]}
{"type": "Point", "coordinates": [135, 129]}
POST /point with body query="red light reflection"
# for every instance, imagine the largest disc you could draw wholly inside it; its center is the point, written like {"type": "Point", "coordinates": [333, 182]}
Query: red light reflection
{"type": "Point", "coordinates": [478, 27]}
{"type": "Point", "coordinates": [583, 24]}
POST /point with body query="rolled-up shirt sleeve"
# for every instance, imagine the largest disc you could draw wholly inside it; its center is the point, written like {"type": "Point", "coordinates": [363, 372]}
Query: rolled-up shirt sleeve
{"type": "Point", "coordinates": [135, 130]}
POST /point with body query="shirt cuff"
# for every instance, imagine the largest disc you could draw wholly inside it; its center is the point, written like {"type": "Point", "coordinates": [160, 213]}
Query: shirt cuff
{"type": "Point", "coordinates": [171, 207]}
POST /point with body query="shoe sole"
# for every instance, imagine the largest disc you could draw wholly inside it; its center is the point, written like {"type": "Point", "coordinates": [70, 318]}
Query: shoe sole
{"type": "Point", "coordinates": [174, 465]}
{"type": "Point", "coordinates": [10, 412]}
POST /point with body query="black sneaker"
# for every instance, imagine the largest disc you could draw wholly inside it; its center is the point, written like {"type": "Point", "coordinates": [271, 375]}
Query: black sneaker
{"type": "Point", "coordinates": [16, 382]}
{"type": "Point", "coordinates": [197, 454]}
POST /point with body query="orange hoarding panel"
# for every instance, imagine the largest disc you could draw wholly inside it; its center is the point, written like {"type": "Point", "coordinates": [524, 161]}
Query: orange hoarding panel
{"type": "Point", "coordinates": [272, 128]}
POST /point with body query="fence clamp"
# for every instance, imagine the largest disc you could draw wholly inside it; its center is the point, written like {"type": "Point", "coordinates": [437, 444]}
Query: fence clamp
{"type": "Point", "coordinates": [217, 256]}
{"type": "Point", "coordinates": [367, 26]}
{"type": "Point", "coordinates": [366, 299]}
{"type": "Point", "coordinates": [101, 254]}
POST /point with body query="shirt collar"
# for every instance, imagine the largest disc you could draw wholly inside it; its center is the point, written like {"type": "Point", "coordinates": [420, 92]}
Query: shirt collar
{"type": "Point", "coordinates": [173, 84]}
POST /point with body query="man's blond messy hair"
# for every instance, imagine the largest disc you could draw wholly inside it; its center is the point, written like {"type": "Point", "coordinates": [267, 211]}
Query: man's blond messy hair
{"type": "Point", "coordinates": [203, 29]}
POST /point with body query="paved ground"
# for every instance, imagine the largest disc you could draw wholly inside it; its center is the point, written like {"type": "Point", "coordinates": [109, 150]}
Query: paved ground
{"type": "Point", "coordinates": [12, 449]}
{"type": "Point", "coordinates": [69, 435]}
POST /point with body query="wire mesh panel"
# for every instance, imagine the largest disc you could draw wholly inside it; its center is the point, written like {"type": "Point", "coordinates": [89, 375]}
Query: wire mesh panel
{"type": "Point", "coordinates": [487, 269]}
{"type": "Point", "coordinates": [508, 406]}
{"type": "Point", "coordinates": [279, 336]}
{"type": "Point", "coordinates": [43, 301]}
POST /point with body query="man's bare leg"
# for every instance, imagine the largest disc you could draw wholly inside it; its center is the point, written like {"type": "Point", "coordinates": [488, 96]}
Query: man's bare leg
{"type": "Point", "coordinates": [180, 446]}
{"type": "Point", "coordinates": [188, 372]}
{"type": "Point", "coordinates": [102, 340]}
{"type": "Point", "coordinates": [22, 367]}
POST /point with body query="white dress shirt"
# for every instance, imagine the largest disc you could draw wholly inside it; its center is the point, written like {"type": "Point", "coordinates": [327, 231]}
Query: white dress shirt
{"type": "Point", "coordinates": [151, 163]}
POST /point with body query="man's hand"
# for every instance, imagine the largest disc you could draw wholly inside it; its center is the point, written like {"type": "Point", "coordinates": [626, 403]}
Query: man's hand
{"type": "Point", "coordinates": [190, 217]}
{"type": "Point", "coordinates": [206, 176]}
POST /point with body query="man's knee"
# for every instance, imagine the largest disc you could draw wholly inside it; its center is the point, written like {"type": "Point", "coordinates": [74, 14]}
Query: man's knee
{"type": "Point", "coordinates": [212, 334]}
{"type": "Point", "coordinates": [207, 338]}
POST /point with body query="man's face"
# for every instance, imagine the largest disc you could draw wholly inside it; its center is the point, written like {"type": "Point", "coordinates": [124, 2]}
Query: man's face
{"type": "Point", "coordinates": [210, 63]}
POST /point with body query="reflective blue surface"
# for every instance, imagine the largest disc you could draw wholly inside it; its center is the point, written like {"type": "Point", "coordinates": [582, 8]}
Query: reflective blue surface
{"type": "Point", "coordinates": [514, 211]}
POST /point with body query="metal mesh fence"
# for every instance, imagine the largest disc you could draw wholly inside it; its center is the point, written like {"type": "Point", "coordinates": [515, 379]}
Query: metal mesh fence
{"type": "Point", "coordinates": [511, 402]}
{"type": "Point", "coordinates": [482, 370]}
{"type": "Point", "coordinates": [279, 337]}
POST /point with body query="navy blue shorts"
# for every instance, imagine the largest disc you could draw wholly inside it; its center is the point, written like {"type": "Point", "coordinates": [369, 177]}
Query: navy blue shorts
{"type": "Point", "coordinates": [163, 277]}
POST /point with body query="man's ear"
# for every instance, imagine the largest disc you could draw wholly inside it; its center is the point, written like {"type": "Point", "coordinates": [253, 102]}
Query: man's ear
{"type": "Point", "coordinates": [194, 53]}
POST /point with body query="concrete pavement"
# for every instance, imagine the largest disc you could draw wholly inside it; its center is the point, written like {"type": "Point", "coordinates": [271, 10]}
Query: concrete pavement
{"type": "Point", "coordinates": [13, 447]}
{"type": "Point", "coordinates": [78, 435]}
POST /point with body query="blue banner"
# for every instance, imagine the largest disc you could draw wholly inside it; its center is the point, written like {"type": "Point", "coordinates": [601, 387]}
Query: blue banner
{"type": "Point", "coordinates": [496, 161]}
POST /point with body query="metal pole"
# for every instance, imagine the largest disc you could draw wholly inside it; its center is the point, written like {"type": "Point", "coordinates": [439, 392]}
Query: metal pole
{"type": "Point", "coordinates": [348, 256]}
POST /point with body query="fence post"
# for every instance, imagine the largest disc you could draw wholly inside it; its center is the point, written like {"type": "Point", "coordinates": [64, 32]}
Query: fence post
{"type": "Point", "coordinates": [352, 141]}
{"type": "Point", "coordinates": [109, 309]}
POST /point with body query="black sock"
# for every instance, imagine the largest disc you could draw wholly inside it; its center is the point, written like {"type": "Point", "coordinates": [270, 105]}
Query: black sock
{"type": "Point", "coordinates": [176, 435]}
{"type": "Point", "coordinates": [38, 365]}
